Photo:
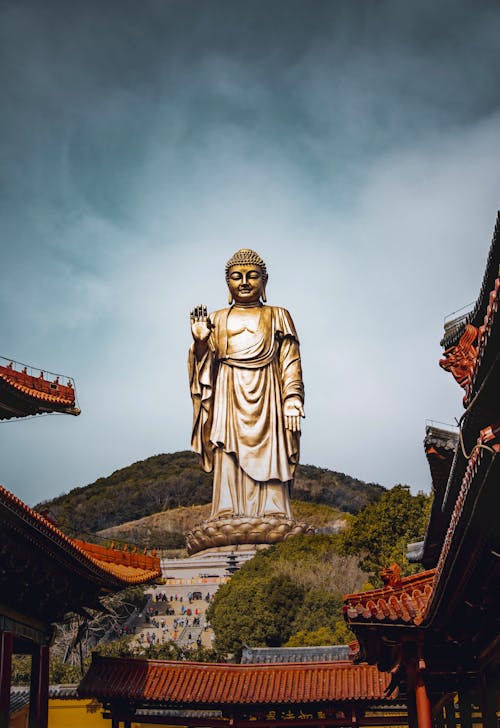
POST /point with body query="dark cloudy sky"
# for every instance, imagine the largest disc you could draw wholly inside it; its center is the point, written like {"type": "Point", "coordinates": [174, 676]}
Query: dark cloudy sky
{"type": "Point", "coordinates": [355, 145]}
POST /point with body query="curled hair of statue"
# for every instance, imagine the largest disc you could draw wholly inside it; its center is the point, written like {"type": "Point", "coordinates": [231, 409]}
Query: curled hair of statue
{"type": "Point", "coordinates": [245, 256]}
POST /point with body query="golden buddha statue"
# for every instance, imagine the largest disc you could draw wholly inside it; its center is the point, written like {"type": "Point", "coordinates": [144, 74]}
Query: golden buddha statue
{"type": "Point", "coordinates": [247, 392]}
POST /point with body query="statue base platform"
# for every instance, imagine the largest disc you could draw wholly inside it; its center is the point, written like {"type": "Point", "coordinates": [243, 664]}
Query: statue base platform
{"type": "Point", "coordinates": [243, 530]}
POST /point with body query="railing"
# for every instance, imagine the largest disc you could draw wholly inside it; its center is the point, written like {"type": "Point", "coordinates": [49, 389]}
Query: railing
{"type": "Point", "coordinates": [454, 319]}
{"type": "Point", "coordinates": [35, 372]}
{"type": "Point", "coordinates": [437, 425]}
{"type": "Point", "coordinates": [192, 581]}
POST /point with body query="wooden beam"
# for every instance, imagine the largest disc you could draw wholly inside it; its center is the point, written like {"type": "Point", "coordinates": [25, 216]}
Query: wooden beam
{"type": "Point", "coordinates": [23, 627]}
{"type": "Point", "coordinates": [138, 717]}
{"type": "Point", "coordinates": [15, 412]}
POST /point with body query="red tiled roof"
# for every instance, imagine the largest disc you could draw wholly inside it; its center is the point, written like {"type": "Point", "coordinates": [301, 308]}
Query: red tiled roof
{"type": "Point", "coordinates": [116, 567]}
{"type": "Point", "coordinates": [25, 391]}
{"type": "Point", "coordinates": [209, 684]}
{"type": "Point", "coordinates": [486, 442]}
{"type": "Point", "coordinates": [133, 567]}
{"type": "Point", "coordinates": [440, 446]}
{"type": "Point", "coordinates": [39, 387]}
{"type": "Point", "coordinates": [403, 603]}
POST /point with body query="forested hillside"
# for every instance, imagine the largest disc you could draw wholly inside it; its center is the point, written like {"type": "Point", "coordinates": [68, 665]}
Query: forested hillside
{"type": "Point", "coordinates": [158, 483]}
{"type": "Point", "coordinates": [293, 590]}
{"type": "Point", "coordinates": [172, 480]}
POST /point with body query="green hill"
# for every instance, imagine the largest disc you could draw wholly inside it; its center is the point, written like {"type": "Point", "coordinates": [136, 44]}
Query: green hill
{"type": "Point", "coordinates": [175, 480]}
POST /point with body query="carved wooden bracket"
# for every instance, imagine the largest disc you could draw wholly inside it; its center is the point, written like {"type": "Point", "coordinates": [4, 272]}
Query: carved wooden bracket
{"type": "Point", "coordinates": [461, 359]}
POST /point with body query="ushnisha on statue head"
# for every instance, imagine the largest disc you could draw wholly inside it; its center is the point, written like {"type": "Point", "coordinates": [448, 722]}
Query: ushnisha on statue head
{"type": "Point", "coordinates": [246, 277]}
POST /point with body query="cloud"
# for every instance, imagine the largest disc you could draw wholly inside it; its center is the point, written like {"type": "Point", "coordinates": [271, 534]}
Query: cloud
{"type": "Point", "coordinates": [142, 151]}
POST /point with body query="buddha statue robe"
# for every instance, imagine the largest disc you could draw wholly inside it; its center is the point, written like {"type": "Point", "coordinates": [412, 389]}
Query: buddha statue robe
{"type": "Point", "coordinates": [238, 388]}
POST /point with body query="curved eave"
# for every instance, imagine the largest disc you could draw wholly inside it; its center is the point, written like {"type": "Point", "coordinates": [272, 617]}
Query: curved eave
{"type": "Point", "coordinates": [117, 572]}
{"type": "Point", "coordinates": [403, 605]}
{"type": "Point", "coordinates": [472, 540]}
{"type": "Point", "coordinates": [19, 400]}
{"type": "Point", "coordinates": [209, 685]}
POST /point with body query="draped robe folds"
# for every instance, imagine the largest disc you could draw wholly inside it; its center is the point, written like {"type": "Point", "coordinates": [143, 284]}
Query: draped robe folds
{"type": "Point", "coordinates": [238, 423]}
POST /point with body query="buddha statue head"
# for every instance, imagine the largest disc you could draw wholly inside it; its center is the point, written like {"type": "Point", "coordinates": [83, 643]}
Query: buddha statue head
{"type": "Point", "coordinates": [246, 277]}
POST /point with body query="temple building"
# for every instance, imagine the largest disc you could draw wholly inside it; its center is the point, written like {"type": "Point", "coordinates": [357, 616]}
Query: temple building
{"type": "Point", "coordinates": [44, 575]}
{"type": "Point", "coordinates": [437, 632]}
{"type": "Point", "coordinates": [329, 693]}
{"type": "Point", "coordinates": [26, 391]}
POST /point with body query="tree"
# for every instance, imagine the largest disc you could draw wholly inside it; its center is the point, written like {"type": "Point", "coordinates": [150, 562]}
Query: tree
{"type": "Point", "coordinates": [339, 635]}
{"type": "Point", "coordinates": [173, 651]}
{"type": "Point", "coordinates": [295, 586]}
{"type": "Point", "coordinates": [256, 611]}
{"type": "Point", "coordinates": [381, 532]}
{"type": "Point", "coordinates": [320, 609]}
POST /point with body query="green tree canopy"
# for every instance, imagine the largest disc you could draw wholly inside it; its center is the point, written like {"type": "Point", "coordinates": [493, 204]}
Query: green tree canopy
{"type": "Point", "coordinates": [257, 611]}
{"type": "Point", "coordinates": [339, 635]}
{"type": "Point", "coordinates": [381, 531]}
{"type": "Point", "coordinates": [292, 587]}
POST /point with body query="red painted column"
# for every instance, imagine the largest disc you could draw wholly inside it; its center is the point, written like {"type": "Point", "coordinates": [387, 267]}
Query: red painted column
{"type": "Point", "coordinates": [43, 692]}
{"type": "Point", "coordinates": [6, 647]}
{"type": "Point", "coordinates": [39, 689]}
{"type": "Point", "coordinates": [424, 710]}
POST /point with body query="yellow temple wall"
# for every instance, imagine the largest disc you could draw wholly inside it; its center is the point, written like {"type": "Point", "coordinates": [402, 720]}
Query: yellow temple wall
{"type": "Point", "coordinates": [76, 714]}
{"type": "Point", "coordinates": [70, 714]}
{"type": "Point", "coordinates": [79, 714]}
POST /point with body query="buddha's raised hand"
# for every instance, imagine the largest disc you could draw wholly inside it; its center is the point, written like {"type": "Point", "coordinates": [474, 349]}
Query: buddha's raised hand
{"type": "Point", "coordinates": [200, 323]}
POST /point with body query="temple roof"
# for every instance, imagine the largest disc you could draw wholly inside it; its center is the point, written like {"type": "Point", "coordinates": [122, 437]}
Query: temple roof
{"type": "Point", "coordinates": [440, 446]}
{"type": "Point", "coordinates": [274, 655]}
{"type": "Point", "coordinates": [115, 567]}
{"type": "Point", "coordinates": [383, 619]}
{"type": "Point", "coordinates": [456, 327]}
{"type": "Point", "coordinates": [468, 559]}
{"type": "Point", "coordinates": [403, 600]}
{"type": "Point", "coordinates": [25, 391]}
{"type": "Point", "coordinates": [471, 348]}
{"type": "Point", "coordinates": [47, 574]}
{"type": "Point", "coordinates": [188, 684]}
{"type": "Point", "coordinates": [129, 567]}
{"type": "Point", "coordinates": [20, 695]}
